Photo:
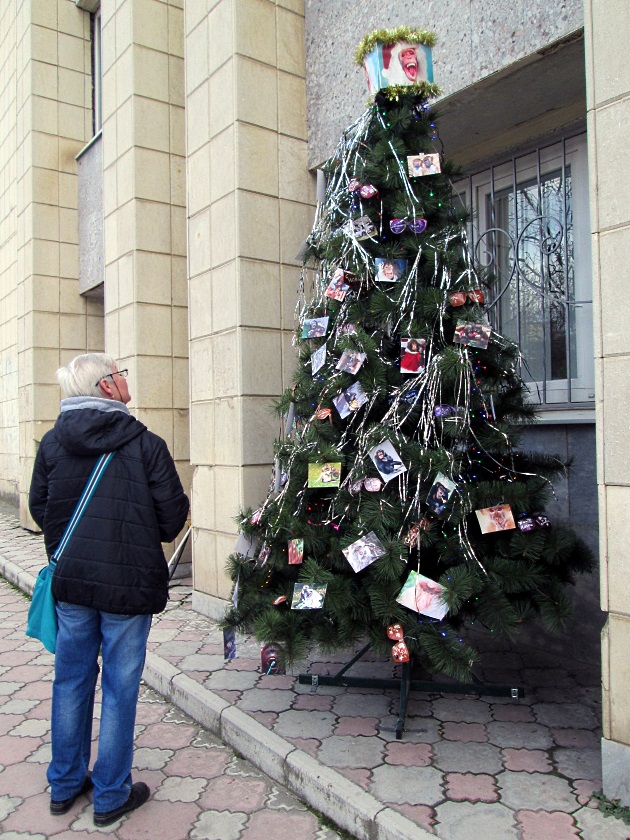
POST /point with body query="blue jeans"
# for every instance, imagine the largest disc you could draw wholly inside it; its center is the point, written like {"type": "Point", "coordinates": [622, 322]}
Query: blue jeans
{"type": "Point", "coordinates": [81, 633]}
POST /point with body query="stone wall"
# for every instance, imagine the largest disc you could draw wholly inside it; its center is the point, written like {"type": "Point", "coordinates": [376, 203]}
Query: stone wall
{"type": "Point", "coordinates": [607, 23]}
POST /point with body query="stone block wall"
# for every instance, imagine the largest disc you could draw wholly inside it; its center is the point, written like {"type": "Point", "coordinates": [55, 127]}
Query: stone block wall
{"type": "Point", "coordinates": [607, 23]}
{"type": "Point", "coordinates": [144, 200]}
{"type": "Point", "coordinates": [250, 199]}
{"type": "Point", "coordinates": [45, 79]}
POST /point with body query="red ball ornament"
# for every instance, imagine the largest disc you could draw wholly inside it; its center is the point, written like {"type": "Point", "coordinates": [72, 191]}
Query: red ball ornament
{"type": "Point", "coordinates": [400, 652]}
{"type": "Point", "coordinates": [368, 191]}
{"type": "Point", "coordinates": [395, 632]}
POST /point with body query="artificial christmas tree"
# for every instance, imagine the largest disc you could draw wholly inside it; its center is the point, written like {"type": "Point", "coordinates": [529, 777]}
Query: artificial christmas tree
{"type": "Point", "coordinates": [401, 509]}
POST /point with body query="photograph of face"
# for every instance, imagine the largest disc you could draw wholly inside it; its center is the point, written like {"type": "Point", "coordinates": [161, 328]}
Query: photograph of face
{"type": "Point", "coordinates": [351, 361]}
{"type": "Point", "coordinates": [440, 493]}
{"type": "Point", "coordinates": [406, 64]}
{"type": "Point", "coordinates": [318, 359]}
{"type": "Point", "coordinates": [387, 460]}
{"type": "Point", "coordinates": [338, 287]}
{"type": "Point", "coordinates": [350, 400]}
{"type": "Point", "coordinates": [412, 355]}
{"type": "Point", "coordinates": [364, 551]}
{"type": "Point", "coordinates": [389, 271]}
{"type": "Point", "coordinates": [361, 228]}
{"type": "Point", "coordinates": [324, 475]}
{"type": "Point", "coordinates": [475, 335]}
{"type": "Point", "coordinates": [296, 552]}
{"type": "Point", "coordinates": [497, 518]}
{"type": "Point", "coordinates": [421, 164]}
{"type": "Point", "coordinates": [423, 595]}
{"type": "Point", "coordinates": [347, 329]}
{"type": "Point", "coordinates": [308, 596]}
{"type": "Point", "coordinates": [315, 327]}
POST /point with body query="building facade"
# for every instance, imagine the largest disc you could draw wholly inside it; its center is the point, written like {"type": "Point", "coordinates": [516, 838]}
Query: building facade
{"type": "Point", "coordinates": [157, 179]}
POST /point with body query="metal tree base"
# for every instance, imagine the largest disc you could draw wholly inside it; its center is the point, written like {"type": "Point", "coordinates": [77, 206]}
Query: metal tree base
{"type": "Point", "coordinates": [406, 684]}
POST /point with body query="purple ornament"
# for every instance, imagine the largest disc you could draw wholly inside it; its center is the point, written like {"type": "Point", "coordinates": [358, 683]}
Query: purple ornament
{"type": "Point", "coordinates": [414, 225]}
{"type": "Point", "coordinates": [542, 521]}
{"type": "Point", "coordinates": [444, 410]}
{"type": "Point", "coordinates": [397, 225]}
{"type": "Point", "coordinates": [525, 525]}
{"type": "Point", "coordinates": [417, 225]}
{"type": "Point", "coordinates": [354, 185]}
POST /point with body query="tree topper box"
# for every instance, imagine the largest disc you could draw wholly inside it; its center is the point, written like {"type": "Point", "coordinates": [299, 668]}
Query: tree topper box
{"type": "Point", "coordinates": [399, 57]}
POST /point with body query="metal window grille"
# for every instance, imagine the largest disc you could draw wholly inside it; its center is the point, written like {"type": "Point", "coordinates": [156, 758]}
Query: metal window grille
{"type": "Point", "coordinates": [530, 231]}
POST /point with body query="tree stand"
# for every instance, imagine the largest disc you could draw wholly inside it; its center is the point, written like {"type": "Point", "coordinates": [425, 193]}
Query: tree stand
{"type": "Point", "coordinates": [405, 683]}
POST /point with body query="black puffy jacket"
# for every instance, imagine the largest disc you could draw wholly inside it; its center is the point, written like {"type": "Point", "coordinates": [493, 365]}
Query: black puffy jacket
{"type": "Point", "coordinates": [114, 561]}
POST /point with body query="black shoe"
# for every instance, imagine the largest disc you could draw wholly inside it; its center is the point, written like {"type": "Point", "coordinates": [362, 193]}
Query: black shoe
{"type": "Point", "coordinates": [138, 796]}
{"type": "Point", "coordinates": [62, 806]}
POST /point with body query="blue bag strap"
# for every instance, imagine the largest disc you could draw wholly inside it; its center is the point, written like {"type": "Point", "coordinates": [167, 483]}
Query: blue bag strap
{"type": "Point", "coordinates": [88, 492]}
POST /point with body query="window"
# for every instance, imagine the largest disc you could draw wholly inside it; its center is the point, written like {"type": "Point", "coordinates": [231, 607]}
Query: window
{"type": "Point", "coordinates": [530, 230]}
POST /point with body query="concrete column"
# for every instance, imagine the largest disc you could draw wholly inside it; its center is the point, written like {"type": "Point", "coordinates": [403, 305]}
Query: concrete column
{"type": "Point", "coordinates": [144, 211]}
{"type": "Point", "coordinates": [250, 200]}
{"type": "Point", "coordinates": [607, 23]}
{"type": "Point", "coordinates": [46, 80]}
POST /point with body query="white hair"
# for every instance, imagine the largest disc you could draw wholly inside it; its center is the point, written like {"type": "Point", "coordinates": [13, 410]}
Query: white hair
{"type": "Point", "coordinates": [81, 376]}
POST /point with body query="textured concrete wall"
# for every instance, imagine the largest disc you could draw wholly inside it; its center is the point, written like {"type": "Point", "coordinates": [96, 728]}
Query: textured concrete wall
{"type": "Point", "coordinates": [475, 38]}
{"type": "Point", "coordinates": [91, 257]}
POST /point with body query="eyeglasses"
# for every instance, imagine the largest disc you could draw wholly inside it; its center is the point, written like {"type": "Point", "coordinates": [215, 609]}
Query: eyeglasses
{"type": "Point", "coordinates": [459, 298]}
{"type": "Point", "coordinates": [124, 373]}
{"type": "Point", "coordinates": [414, 225]}
{"type": "Point", "coordinates": [372, 485]}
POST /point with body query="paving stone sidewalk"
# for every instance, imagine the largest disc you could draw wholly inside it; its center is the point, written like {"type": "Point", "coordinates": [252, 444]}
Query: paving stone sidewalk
{"type": "Point", "coordinates": [467, 767]}
{"type": "Point", "coordinates": [200, 789]}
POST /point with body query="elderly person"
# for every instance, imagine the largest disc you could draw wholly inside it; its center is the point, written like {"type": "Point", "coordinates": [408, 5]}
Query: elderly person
{"type": "Point", "coordinates": [110, 580]}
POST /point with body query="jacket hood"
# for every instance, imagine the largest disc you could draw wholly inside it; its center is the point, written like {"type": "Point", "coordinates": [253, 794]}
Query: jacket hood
{"type": "Point", "coordinates": [92, 425]}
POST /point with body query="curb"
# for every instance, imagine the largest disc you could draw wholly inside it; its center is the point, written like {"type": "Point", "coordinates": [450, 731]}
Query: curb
{"type": "Point", "coordinates": [320, 787]}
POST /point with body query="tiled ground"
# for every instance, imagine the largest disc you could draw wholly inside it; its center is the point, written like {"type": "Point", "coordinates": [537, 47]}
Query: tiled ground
{"type": "Point", "coordinates": [200, 789]}
{"type": "Point", "coordinates": [466, 768]}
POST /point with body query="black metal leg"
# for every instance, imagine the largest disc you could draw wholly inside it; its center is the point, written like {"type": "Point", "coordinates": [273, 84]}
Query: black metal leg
{"type": "Point", "coordinates": [405, 681]}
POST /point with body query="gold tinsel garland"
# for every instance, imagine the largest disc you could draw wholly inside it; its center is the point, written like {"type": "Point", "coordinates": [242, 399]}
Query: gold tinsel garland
{"type": "Point", "coordinates": [428, 89]}
{"type": "Point", "coordinates": [392, 36]}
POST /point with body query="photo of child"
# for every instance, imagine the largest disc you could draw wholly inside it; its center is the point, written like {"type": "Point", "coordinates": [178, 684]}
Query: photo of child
{"type": "Point", "coordinates": [296, 552]}
{"type": "Point", "coordinates": [315, 327]}
{"type": "Point", "coordinates": [308, 596]}
{"type": "Point", "coordinates": [324, 475]}
{"type": "Point", "coordinates": [497, 518]}
{"type": "Point", "coordinates": [476, 335]}
{"type": "Point", "coordinates": [364, 551]}
{"type": "Point", "coordinates": [420, 165]}
{"type": "Point", "coordinates": [389, 271]}
{"type": "Point", "coordinates": [412, 355]}
{"type": "Point", "coordinates": [387, 460]}
{"type": "Point", "coordinates": [440, 493]}
{"type": "Point", "coordinates": [351, 361]}
{"type": "Point", "coordinates": [423, 595]}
